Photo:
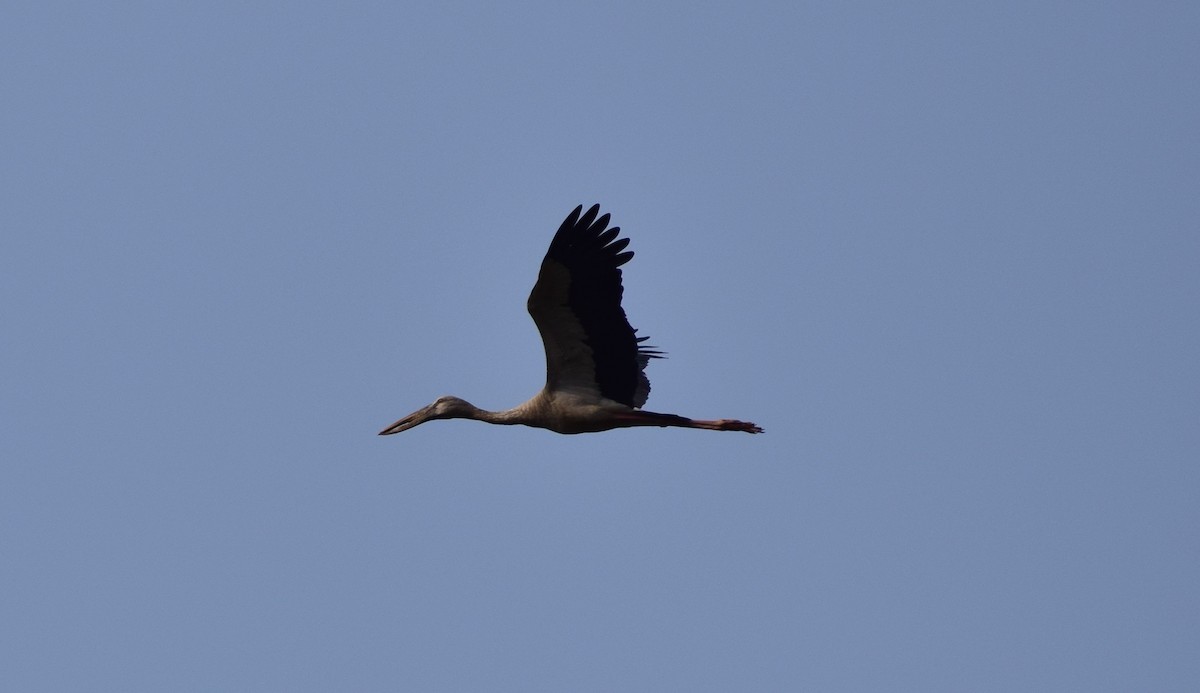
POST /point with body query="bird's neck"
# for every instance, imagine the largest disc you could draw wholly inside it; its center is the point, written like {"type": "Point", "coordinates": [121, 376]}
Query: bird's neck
{"type": "Point", "coordinates": [507, 417]}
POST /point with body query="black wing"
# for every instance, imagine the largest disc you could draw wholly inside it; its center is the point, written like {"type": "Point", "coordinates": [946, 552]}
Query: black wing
{"type": "Point", "coordinates": [576, 304]}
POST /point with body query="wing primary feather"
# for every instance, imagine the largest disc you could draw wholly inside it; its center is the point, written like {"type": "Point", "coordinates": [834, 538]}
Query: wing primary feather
{"type": "Point", "coordinates": [604, 238]}
{"type": "Point", "coordinates": [590, 216]}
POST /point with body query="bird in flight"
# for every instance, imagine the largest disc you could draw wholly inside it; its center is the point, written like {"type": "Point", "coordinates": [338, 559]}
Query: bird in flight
{"type": "Point", "coordinates": [595, 362]}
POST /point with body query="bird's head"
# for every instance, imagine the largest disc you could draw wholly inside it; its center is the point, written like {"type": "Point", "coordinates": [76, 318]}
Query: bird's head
{"type": "Point", "coordinates": [446, 407]}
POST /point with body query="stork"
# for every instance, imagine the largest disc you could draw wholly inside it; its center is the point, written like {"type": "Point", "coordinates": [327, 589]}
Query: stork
{"type": "Point", "coordinates": [595, 362]}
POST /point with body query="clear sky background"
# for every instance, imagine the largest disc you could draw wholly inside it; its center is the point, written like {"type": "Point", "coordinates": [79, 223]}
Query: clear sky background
{"type": "Point", "coordinates": [946, 254]}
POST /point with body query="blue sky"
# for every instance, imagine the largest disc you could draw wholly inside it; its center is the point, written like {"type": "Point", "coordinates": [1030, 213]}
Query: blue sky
{"type": "Point", "coordinates": [946, 254]}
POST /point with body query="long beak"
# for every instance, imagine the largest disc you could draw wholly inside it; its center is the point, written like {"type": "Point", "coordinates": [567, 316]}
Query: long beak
{"type": "Point", "coordinates": [414, 419]}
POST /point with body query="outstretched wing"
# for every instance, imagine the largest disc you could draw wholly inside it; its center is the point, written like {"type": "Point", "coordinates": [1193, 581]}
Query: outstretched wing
{"type": "Point", "coordinates": [576, 303]}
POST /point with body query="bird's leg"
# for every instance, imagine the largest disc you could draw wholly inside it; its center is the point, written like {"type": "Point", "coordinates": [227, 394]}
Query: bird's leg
{"type": "Point", "coordinates": [650, 418]}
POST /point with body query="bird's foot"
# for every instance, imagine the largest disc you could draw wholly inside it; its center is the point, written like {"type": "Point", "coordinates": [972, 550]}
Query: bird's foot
{"type": "Point", "coordinates": [735, 425]}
